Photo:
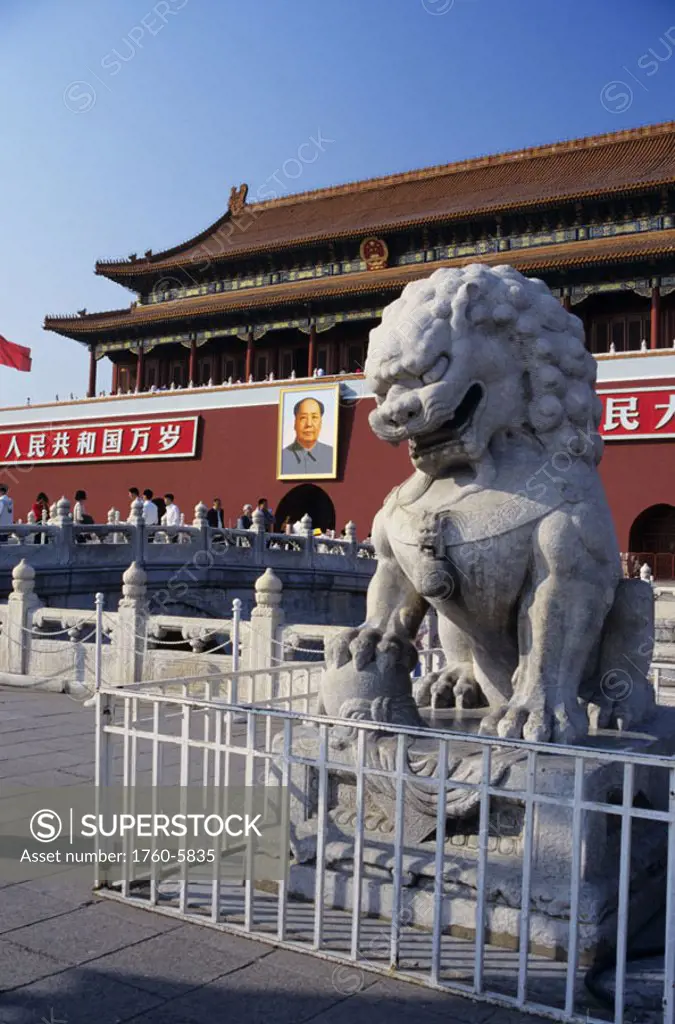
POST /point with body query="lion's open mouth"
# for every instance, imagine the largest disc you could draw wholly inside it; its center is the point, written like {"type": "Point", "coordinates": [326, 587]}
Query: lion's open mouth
{"type": "Point", "coordinates": [450, 429]}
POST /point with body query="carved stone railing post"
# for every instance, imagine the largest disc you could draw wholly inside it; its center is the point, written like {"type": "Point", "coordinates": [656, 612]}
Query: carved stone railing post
{"type": "Point", "coordinates": [21, 604]}
{"type": "Point", "coordinates": [31, 519]}
{"type": "Point", "coordinates": [201, 522]}
{"type": "Point", "coordinates": [64, 520]}
{"type": "Point", "coordinates": [138, 534]}
{"type": "Point", "coordinates": [267, 618]}
{"type": "Point", "coordinates": [350, 537]}
{"type": "Point", "coordinates": [258, 527]}
{"type": "Point", "coordinates": [307, 531]}
{"type": "Point", "coordinates": [129, 634]}
{"type": "Point", "coordinates": [113, 517]}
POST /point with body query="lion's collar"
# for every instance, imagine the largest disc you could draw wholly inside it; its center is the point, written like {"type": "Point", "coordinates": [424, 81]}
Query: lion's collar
{"type": "Point", "coordinates": [457, 515]}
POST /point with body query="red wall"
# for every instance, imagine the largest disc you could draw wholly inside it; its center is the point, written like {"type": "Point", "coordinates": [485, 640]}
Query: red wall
{"type": "Point", "coordinates": [637, 474]}
{"type": "Point", "coordinates": [237, 462]}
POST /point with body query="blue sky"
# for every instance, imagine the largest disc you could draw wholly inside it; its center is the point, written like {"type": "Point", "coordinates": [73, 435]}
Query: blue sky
{"type": "Point", "coordinates": [124, 123]}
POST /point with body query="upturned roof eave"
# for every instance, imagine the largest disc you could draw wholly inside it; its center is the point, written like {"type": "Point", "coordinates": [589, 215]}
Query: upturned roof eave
{"type": "Point", "coordinates": [142, 269]}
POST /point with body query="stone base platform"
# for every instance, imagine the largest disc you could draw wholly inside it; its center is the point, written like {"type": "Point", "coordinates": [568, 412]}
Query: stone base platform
{"type": "Point", "coordinates": [550, 884]}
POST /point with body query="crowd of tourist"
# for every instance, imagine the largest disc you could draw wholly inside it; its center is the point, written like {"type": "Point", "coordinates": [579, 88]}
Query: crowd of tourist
{"type": "Point", "coordinates": [162, 510]}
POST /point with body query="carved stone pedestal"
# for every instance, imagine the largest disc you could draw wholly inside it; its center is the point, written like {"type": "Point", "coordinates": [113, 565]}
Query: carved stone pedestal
{"type": "Point", "coordinates": [552, 840]}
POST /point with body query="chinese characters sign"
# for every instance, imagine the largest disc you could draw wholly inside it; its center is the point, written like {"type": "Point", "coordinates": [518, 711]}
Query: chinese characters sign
{"type": "Point", "coordinates": [638, 413]}
{"type": "Point", "coordinates": [99, 442]}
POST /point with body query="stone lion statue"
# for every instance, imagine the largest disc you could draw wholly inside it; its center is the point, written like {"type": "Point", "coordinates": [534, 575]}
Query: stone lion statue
{"type": "Point", "coordinates": [503, 526]}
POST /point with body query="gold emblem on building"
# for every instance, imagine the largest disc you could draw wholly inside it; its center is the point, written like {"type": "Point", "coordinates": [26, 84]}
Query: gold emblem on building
{"type": "Point", "coordinates": [374, 253]}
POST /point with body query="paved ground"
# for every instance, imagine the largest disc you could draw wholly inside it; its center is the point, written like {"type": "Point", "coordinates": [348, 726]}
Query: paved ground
{"type": "Point", "coordinates": [68, 957]}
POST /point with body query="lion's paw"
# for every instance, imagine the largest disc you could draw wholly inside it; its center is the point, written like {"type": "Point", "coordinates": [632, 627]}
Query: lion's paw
{"type": "Point", "coordinates": [366, 646]}
{"type": "Point", "coordinates": [623, 702]}
{"type": "Point", "coordinates": [364, 668]}
{"type": "Point", "coordinates": [453, 687]}
{"type": "Point", "coordinates": [537, 722]}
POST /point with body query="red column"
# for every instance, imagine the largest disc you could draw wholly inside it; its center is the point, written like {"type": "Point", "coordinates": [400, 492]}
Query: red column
{"type": "Point", "coordinates": [192, 368]}
{"type": "Point", "coordinates": [566, 300]}
{"type": "Point", "coordinates": [656, 317]}
{"type": "Point", "coordinates": [311, 355]}
{"type": "Point", "coordinates": [140, 382]}
{"type": "Point", "coordinates": [115, 378]}
{"type": "Point", "coordinates": [91, 392]}
{"type": "Point", "coordinates": [248, 370]}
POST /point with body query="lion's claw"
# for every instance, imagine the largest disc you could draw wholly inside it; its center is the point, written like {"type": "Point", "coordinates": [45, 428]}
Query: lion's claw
{"type": "Point", "coordinates": [337, 650]}
{"type": "Point", "coordinates": [364, 646]}
{"type": "Point", "coordinates": [452, 687]}
{"type": "Point", "coordinates": [537, 723]}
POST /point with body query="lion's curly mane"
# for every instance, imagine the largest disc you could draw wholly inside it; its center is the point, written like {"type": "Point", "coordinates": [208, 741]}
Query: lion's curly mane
{"type": "Point", "coordinates": [557, 372]}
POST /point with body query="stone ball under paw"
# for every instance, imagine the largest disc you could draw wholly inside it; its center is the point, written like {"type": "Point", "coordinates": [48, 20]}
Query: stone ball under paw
{"type": "Point", "coordinates": [349, 683]}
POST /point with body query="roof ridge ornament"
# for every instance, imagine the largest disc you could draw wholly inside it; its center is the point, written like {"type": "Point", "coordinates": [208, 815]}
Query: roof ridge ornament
{"type": "Point", "coordinates": [237, 199]}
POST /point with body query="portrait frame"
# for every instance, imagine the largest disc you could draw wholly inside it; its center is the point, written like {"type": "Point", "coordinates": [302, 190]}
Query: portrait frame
{"type": "Point", "coordinates": [329, 396]}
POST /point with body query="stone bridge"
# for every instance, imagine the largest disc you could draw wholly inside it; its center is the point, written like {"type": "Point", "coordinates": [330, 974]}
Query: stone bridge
{"type": "Point", "coordinates": [191, 569]}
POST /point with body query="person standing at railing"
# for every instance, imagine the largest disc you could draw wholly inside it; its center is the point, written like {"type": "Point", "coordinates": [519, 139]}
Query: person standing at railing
{"type": "Point", "coordinates": [40, 510]}
{"type": "Point", "coordinates": [150, 510]}
{"type": "Point", "coordinates": [245, 522]}
{"type": "Point", "coordinates": [214, 516]}
{"type": "Point", "coordinates": [172, 515]}
{"type": "Point", "coordinates": [267, 513]}
{"type": "Point", "coordinates": [6, 511]}
{"type": "Point", "coordinates": [81, 516]}
{"type": "Point", "coordinates": [40, 504]}
{"type": "Point", "coordinates": [161, 507]}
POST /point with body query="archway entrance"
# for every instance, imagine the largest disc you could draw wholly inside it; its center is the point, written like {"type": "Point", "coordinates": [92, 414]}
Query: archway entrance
{"type": "Point", "coordinates": [306, 499]}
{"type": "Point", "coordinates": [652, 539]}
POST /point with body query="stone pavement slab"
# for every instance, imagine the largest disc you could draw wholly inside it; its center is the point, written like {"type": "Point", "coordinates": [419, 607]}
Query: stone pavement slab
{"type": "Point", "coordinates": [80, 996]}
{"type": "Point", "coordinates": [22, 966]}
{"type": "Point", "coordinates": [67, 956]}
{"type": "Point", "coordinates": [85, 934]}
{"type": "Point", "coordinates": [21, 906]}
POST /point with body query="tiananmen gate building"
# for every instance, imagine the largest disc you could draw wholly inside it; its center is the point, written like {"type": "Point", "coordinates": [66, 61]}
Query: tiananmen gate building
{"type": "Point", "coordinates": [230, 330]}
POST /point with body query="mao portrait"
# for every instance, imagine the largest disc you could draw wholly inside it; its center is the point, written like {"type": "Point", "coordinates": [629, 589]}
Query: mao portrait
{"type": "Point", "coordinates": [307, 444]}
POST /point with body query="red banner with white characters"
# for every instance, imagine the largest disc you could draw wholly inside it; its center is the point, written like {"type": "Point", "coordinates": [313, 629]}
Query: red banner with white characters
{"type": "Point", "coordinates": [99, 442]}
{"type": "Point", "coordinates": [637, 413]}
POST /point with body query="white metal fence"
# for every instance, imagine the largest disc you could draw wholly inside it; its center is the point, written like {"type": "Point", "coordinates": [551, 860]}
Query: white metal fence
{"type": "Point", "coordinates": [502, 910]}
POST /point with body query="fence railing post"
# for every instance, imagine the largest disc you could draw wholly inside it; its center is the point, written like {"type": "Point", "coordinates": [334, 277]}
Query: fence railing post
{"type": "Point", "coordinates": [98, 603]}
{"type": "Point", "coordinates": [236, 633]}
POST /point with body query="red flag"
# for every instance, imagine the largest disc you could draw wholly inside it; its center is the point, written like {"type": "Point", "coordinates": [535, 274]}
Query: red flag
{"type": "Point", "coordinates": [13, 355]}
